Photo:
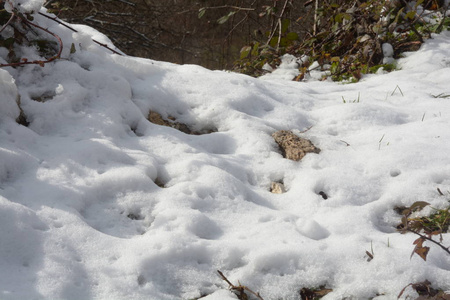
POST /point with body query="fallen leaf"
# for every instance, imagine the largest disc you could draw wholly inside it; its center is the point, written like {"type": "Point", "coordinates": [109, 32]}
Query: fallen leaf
{"type": "Point", "coordinates": [420, 249]}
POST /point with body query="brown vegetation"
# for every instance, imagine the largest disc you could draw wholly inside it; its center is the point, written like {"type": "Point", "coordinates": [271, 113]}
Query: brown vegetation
{"type": "Point", "coordinates": [345, 37]}
{"type": "Point", "coordinates": [171, 30]}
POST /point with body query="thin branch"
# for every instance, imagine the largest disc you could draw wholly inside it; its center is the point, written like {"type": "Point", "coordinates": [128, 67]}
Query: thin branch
{"type": "Point", "coordinates": [9, 21]}
{"type": "Point", "coordinates": [280, 27]}
{"type": "Point", "coordinates": [224, 278]}
{"type": "Point", "coordinates": [127, 2]}
{"type": "Point", "coordinates": [107, 13]}
{"type": "Point", "coordinates": [38, 62]}
{"type": "Point", "coordinates": [57, 21]}
{"type": "Point", "coordinates": [236, 26]}
{"type": "Point", "coordinates": [430, 239]}
{"type": "Point", "coordinates": [441, 24]}
{"type": "Point", "coordinates": [67, 26]}
{"type": "Point", "coordinates": [107, 47]}
{"type": "Point", "coordinates": [307, 129]}
{"type": "Point", "coordinates": [231, 6]}
{"type": "Point", "coordinates": [284, 8]}
{"type": "Point", "coordinates": [240, 288]}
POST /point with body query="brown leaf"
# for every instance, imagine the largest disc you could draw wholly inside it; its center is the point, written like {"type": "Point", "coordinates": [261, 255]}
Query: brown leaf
{"type": "Point", "coordinates": [416, 225]}
{"type": "Point", "coordinates": [419, 242]}
{"type": "Point", "coordinates": [418, 205]}
{"type": "Point", "coordinates": [436, 232]}
{"type": "Point", "coordinates": [323, 292]}
{"type": "Point", "coordinates": [425, 289]}
{"type": "Point", "coordinates": [421, 251]}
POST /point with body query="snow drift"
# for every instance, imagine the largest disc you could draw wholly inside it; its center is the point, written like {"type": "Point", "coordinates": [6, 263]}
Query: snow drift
{"type": "Point", "coordinates": [96, 202]}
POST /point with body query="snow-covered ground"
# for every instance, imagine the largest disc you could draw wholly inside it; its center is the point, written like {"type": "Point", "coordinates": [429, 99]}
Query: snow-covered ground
{"type": "Point", "coordinates": [81, 216]}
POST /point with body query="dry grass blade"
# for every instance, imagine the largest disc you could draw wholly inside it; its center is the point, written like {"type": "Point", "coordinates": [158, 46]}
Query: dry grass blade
{"type": "Point", "coordinates": [370, 255]}
{"type": "Point", "coordinates": [240, 289]}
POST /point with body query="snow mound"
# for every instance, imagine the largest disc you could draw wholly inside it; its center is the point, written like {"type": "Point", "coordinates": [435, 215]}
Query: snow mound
{"type": "Point", "coordinates": [8, 101]}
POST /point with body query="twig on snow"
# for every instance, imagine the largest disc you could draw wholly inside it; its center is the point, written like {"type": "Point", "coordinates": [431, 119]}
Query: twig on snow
{"type": "Point", "coordinates": [240, 288]}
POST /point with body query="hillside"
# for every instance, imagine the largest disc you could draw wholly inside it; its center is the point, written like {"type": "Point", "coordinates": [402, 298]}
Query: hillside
{"type": "Point", "coordinates": [97, 202]}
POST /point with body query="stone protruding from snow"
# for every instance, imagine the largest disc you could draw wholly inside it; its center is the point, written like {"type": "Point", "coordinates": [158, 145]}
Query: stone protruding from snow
{"type": "Point", "coordinates": [156, 118]}
{"type": "Point", "coordinates": [277, 188]}
{"type": "Point", "coordinates": [292, 146]}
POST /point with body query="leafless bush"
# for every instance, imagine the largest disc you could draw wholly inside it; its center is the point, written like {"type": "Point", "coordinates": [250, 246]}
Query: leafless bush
{"type": "Point", "coordinates": [171, 30]}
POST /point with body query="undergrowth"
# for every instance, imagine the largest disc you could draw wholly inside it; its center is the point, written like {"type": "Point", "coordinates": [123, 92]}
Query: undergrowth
{"type": "Point", "coordinates": [19, 31]}
{"type": "Point", "coordinates": [428, 228]}
{"type": "Point", "coordinates": [347, 39]}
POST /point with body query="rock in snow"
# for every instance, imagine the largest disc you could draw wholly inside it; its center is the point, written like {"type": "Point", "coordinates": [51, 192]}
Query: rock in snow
{"type": "Point", "coordinates": [292, 146]}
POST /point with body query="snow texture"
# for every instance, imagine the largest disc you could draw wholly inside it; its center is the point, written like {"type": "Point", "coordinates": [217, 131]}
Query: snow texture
{"type": "Point", "coordinates": [98, 203]}
{"type": "Point", "coordinates": [388, 53]}
{"type": "Point", "coordinates": [23, 6]}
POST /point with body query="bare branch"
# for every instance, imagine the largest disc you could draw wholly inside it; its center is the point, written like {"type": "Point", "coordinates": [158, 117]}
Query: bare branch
{"type": "Point", "coordinates": [9, 21]}
{"type": "Point", "coordinates": [38, 62]}
{"type": "Point", "coordinates": [127, 2]}
{"type": "Point", "coordinates": [240, 288]}
{"type": "Point", "coordinates": [57, 21]}
{"type": "Point", "coordinates": [232, 7]}
{"type": "Point", "coordinates": [446, 249]}
{"type": "Point", "coordinates": [67, 26]}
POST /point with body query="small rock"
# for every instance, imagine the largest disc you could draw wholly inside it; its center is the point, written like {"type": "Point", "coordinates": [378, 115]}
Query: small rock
{"type": "Point", "coordinates": [157, 119]}
{"type": "Point", "coordinates": [292, 146]}
{"type": "Point", "coordinates": [277, 188]}
{"type": "Point", "coordinates": [324, 196]}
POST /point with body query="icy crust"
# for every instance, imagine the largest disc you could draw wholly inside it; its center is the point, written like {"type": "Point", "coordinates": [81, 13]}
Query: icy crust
{"type": "Point", "coordinates": [96, 202]}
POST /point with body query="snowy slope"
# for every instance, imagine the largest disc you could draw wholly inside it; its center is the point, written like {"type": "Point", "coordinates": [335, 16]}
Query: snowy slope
{"type": "Point", "coordinates": [81, 216]}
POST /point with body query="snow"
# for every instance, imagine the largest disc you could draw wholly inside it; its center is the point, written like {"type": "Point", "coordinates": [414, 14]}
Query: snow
{"type": "Point", "coordinates": [287, 70]}
{"type": "Point", "coordinates": [388, 53]}
{"type": "Point", "coordinates": [8, 101]}
{"type": "Point", "coordinates": [82, 216]}
{"type": "Point", "coordinates": [23, 6]}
